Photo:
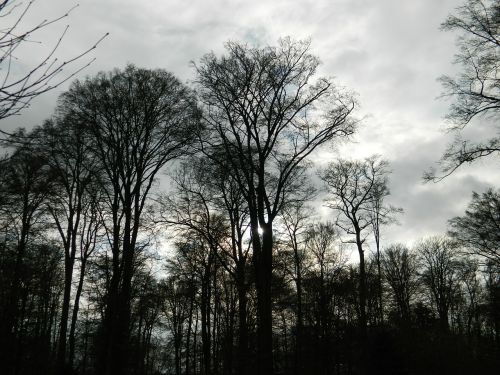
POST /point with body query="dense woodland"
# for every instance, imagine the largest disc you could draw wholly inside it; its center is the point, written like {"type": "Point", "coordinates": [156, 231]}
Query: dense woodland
{"type": "Point", "coordinates": [150, 227]}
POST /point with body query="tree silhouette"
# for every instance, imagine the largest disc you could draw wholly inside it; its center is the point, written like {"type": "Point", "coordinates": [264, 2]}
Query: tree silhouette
{"type": "Point", "coordinates": [476, 90]}
{"type": "Point", "coordinates": [265, 113]}
{"type": "Point", "coordinates": [354, 188]}
{"type": "Point", "coordinates": [138, 121]}
{"type": "Point", "coordinates": [478, 230]}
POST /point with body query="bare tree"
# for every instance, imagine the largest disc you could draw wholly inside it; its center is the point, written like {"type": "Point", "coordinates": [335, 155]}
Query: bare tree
{"type": "Point", "coordinates": [323, 245]}
{"type": "Point", "coordinates": [381, 214]}
{"type": "Point", "coordinates": [191, 211]}
{"type": "Point", "coordinates": [66, 150]}
{"type": "Point", "coordinates": [478, 231]}
{"type": "Point", "coordinates": [468, 270]}
{"type": "Point", "coordinates": [89, 239]}
{"type": "Point", "coordinates": [438, 257]}
{"type": "Point", "coordinates": [209, 203]}
{"type": "Point", "coordinates": [265, 113]}
{"type": "Point", "coordinates": [295, 219]}
{"type": "Point", "coordinates": [25, 183]}
{"type": "Point", "coordinates": [400, 271]}
{"type": "Point", "coordinates": [353, 187]}
{"type": "Point", "coordinates": [138, 120]}
{"type": "Point", "coordinates": [476, 90]}
{"type": "Point", "coordinates": [177, 296]}
{"type": "Point", "coordinates": [17, 90]}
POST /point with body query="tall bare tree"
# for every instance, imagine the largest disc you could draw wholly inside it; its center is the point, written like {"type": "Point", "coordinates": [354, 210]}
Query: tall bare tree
{"type": "Point", "coordinates": [381, 214]}
{"type": "Point", "coordinates": [25, 183]}
{"type": "Point", "coordinates": [400, 271]}
{"type": "Point", "coordinates": [324, 247]}
{"type": "Point", "coordinates": [138, 120]}
{"type": "Point", "coordinates": [209, 203]}
{"type": "Point", "coordinates": [440, 271]}
{"type": "Point", "coordinates": [265, 112]}
{"type": "Point", "coordinates": [476, 89]}
{"type": "Point", "coordinates": [66, 150]}
{"type": "Point", "coordinates": [354, 188]}
{"type": "Point", "coordinates": [295, 218]}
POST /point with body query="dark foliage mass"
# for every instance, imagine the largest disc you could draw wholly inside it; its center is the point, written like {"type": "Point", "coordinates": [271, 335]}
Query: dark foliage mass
{"type": "Point", "coordinates": [104, 269]}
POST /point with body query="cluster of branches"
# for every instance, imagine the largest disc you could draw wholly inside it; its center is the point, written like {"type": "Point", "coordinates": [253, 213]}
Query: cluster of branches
{"type": "Point", "coordinates": [476, 89]}
{"type": "Point", "coordinates": [19, 85]}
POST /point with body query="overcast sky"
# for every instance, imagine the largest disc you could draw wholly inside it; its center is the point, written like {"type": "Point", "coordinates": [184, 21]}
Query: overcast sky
{"type": "Point", "coordinates": [390, 52]}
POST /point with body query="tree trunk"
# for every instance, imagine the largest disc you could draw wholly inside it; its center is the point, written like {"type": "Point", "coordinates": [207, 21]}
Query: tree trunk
{"type": "Point", "coordinates": [9, 350]}
{"type": "Point", "coordinates": [108, 324]}
{"type": "Point", "coordinates": [205, 322]}
{"type": "Point", "coordinates": [188, 334]}
{"type": "Point", "coordinates": [379, 281]}
{"type": "Point", "coordinates": [243, 328]}
{"type": "Point", "coordinates": [116, 325]}
{"type": "Point", "coordinates": [362, 303]}
{"type": "Point", "coordinates": [263, 274]}
{"type": "Point", "coordinates": [63, 329]}
{"type": "Point", "coordinates": [74, 316]}
{"type": "Point", "coordinates": [195, 343]}
{"type": "Point", "coordinates": [121, 333]}
{"type": "Point", "coordinates": [298, 338]}
{"type": "Point", "coordinates": [215, 307]}
{"type": "Point", "coordinates": [362, 286]}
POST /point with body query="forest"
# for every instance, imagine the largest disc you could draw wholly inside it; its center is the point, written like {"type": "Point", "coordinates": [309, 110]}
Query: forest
{"type": "Point", "coordinates": [151, 226]}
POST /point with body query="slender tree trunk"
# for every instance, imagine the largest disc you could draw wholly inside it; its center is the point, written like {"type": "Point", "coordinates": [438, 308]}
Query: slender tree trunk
{"type": "Point", "coordinates": [229, 321]}
{"type": "Point", "coordinates": [215, 307]}
{"type": "Point", "coordinates": [69, 261]}
{"type": "Point", "coordinates": [85, 349]}
{"type": "Point", "coordinates": [362, 303]}
{"type": "Point", "coordinates": [178, 351]}
{"type": "Point", "coordinates": [74, 316]}
{"type": "Point", "coordinates": [188, 335]}
{"type": "Point", "coordinates": [379, 278]}
{"type": "Point", "coordinates": [323, 311]}
{"type": "Point", "coordinates": [121, 333]}
{"type": "Point", "coordinates": [263, 273]}
{"type": "Point", "coordinates": [285, 344]}
{"type": "Point", "coordinates": [109, 321]}
{"type": "Point", "coordinates": [242, 328]}
{"type": "Point", "coordinates": [362, 286]}
{"type": "Point", "coordinates": [298, 338]}
{"type": "Point", "coordinates": [195, 343]}
{"type": "Point", "coordinates": [205, 322]}
{"type": "Point", "coordinates": [63, 329]}
{"type": "Point", "coordinates": [9, 349]}
{"type": "Point", "coordinates": [117, 321]}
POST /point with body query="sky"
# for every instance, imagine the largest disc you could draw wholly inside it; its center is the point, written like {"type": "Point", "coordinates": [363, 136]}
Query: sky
{"type": "Point", "coordinates": [390, 52]}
